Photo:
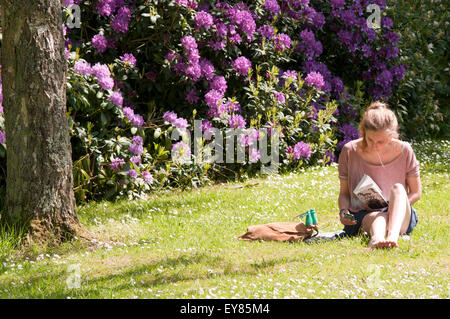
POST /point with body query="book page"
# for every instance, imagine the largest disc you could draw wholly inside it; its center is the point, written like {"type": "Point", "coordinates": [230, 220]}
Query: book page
{"type": "Point", "coordinates": [371, 198]}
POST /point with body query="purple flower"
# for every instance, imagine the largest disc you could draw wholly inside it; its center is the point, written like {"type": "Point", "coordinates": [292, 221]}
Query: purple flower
{"type": "Point", "coordinates": [250, 137]}
{"type": "Point", "coordinates": [244, 20]}
{"type": "Point", "coordinates": [67, 3]}
{"type": "Point", "coordinates": [101, 71]}
{"type": "Point", "coordinates": [229, 107]}
{"type": "Point", "coordinates": [384, 79]}
{"type": "Point", "coordinates": [106, 83]}
{"type": "Point", "coordinates": [397, 71]}
{"type": "Point", "coordinates": [236, 121]}
{"type": "Point", "coordinates": [248, 25]}
{"type": "Point", "coordinates": [116, 98]}
{"type": "Point", "coordinates": [291, 74]}
{"type": "Point", "coordinates": [345, 37]}
{"type": "Point", "coordinates": [172, 118]}
{"type": "Point", "coordinates": [189, 43]}
{"type": "Point", "coordinates": [350, 134]}
{"type": "Point", "coordinates": [208, 129]}
{"type": "Point", "coordinates": [234, 36]}
{"type": "Point", "coordinates": [337, 4]}
{"type": "Point", "coordinates": [315, 19]}
{"type": "Point", "coordinates": [302, 149]}
{"type": "Point", "coordinates": [219, 84]}
{"type": "Point", "coordinates": [191, 96]}
{"type": "Point", "coordinates": [221, 29]}
{"type": "Point", "coordinates": [181, 123]}
{"type": "Point", "coordinates": [207, 69]}
{"type": "Point", "coordinates": [192, 54]}
{"type": "Point", "coordinates": [169, 116]}
{"type": "Point", "coordinates": [128, 112]}
{"type": "Point", "coordinates": [203, 19]}
{"type": "Point", "coordinates": [289, 150]}
{"type": "Point", "coordinates": [187, 3]}
{"type": "Point", "coordinates": [338, 85]}
{"type": "Point", "coordinates": [217, 45]}
{"type": "Point", "coordinates": [213, 98]}
{"type": "Point", "coordinates": [121, 20]}
{"type": "Point", "coordinates": [391, 37]}
{"type": "Point", "coordinates": [272, 6]}
{"type": "Point", "coordinates": [349, 131]}
{"type": "Point", "coordinates": [128, 58]}
{"type": "Point", "coordinates": [137, 120]}
{"type": "Point", "coordinates": [107, 7]}
{"type": "Point", "coordinates": [147, 177]}
{"type": "Point", "coordinates": [136, 147]}
{"type": "Point", "coordinates": [389, 52]}
{"type": "Point", "coordinates": [99, 42]}
{"type": "Point", "coordinates": [387, 22]}
{"type": "Point", "coordinates": [83, 67]}
{"type": "Point", "coordinates": [206, 125]}
{"type": "Point", "coordinates": [366, 50]}
{"type": "Point", "coordinates": [282, 41]}
{"type": "Point", "coordinates": [319, 67]}
{"type": "Point", "coordinates": [309, 45]}
{"type": "Point", "coordinates": [254, 155]}
{"type": "Point", "coordinates": [170, 56]}
{"type": "Point", "coordinates": [266, 31]}
{"type": "Point", "coordinates": [315, 79]}
{"type": "Point", "coordinates": [193, 71]}
{"type": "Point", "coordinates": [138, 139]}
{"type": "Point", "coordinates": [280, 97]}
{"type": "Point", "coordinates": [135, 159]}
{"type": "Point", "coordinates": [2, 137]}
{"type": "Point", "coordinates": [116, 163]}
{"type": "Point", "coordinates": [348, 17]}
{"type": "Point", "coordinates": [132, 173]}
{"type": "Point", "coordinates": [242, 65]}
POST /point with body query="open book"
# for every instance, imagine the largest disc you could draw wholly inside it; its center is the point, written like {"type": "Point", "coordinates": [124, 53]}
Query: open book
{"type": "Point", "coordinates": [369, 193]}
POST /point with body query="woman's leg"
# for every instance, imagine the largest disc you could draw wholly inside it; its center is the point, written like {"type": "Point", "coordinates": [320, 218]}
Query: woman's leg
{"type": "Point", "coordinates": [399, 214]}
{"type": "Point", "coordinates": [395, 220]}
{"type": "Point", "coordinates": [375, 224]}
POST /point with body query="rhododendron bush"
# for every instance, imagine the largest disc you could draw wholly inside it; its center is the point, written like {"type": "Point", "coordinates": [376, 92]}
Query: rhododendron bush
{"type": "Point", "coordinates": [142, 72]}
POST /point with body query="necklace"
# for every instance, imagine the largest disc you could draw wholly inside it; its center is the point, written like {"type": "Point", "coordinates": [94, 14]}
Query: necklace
{"type": "Point", "coordinates": [379, 157]}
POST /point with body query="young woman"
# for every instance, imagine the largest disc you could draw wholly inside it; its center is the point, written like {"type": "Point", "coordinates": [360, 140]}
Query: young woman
{"type": "Point", "coordinates": [392, 164]}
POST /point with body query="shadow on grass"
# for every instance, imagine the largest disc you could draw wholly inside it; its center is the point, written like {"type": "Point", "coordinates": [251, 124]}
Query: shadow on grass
{"type": "Point", "coordinates": [158, 273]}
{"type": "Point", "coordinates": [152, 274]}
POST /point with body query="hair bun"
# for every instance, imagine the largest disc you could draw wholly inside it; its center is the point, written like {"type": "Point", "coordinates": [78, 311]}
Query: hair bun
{"type": "Point", "coordinates": [377, 105]}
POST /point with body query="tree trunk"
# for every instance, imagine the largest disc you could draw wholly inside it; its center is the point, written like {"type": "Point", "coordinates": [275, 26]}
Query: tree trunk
{"type": "Point", "coordinates": [39, 185]}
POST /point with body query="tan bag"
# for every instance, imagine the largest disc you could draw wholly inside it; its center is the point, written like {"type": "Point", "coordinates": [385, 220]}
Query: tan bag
{"type": "Point", "coordinates": [281, 231]}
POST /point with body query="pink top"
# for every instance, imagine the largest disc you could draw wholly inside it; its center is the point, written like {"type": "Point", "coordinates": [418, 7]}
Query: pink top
{"type": "Point", "coordinates": [352, 168]}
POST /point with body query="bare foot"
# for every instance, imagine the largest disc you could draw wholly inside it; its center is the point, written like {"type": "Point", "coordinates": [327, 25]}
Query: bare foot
{"type": "Point", "coordinates": [375, 242]}
{"type": "Point", "coordinates": [382, 243]}
{"type": "Point", "coordinates": [391, 241]}
{"type": "Point", "coordinates": [386, 244]}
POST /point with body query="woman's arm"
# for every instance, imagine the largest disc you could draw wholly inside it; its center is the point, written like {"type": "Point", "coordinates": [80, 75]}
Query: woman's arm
{"type": "Point", "coordinates": [344, 202]}
{"type": "Point", "coordinates": [414, 188]}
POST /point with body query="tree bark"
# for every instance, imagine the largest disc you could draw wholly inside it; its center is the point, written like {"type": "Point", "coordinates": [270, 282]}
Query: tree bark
{"type": "Point", "coordinates": [39, 185]}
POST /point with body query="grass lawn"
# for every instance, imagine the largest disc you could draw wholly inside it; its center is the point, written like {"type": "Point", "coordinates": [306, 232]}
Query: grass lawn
{"type": "Point", "coordinates": [184, 245]}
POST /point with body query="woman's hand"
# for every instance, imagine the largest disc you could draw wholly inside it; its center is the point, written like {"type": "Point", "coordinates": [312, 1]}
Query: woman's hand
{"type": "Point", "coordinates": [344, 220]}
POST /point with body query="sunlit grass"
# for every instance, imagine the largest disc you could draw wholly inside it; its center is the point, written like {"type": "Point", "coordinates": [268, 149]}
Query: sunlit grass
{"type": "Point", "coordinates": [184, 245]}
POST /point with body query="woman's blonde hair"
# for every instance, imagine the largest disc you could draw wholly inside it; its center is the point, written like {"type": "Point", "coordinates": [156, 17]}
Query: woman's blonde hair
{"type": "Point", "coordinates": [378, 117]}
